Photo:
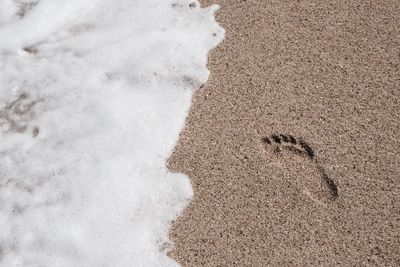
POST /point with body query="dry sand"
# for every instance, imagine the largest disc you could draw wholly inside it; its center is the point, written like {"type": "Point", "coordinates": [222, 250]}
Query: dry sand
{"type": "Point", "coordinates": [327, 72]}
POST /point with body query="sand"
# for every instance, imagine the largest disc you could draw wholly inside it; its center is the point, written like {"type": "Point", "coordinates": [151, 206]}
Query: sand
{"type": "Point", "coordinates": [327, 73]}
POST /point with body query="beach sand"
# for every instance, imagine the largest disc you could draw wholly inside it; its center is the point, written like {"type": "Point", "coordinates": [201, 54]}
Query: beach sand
{"type": "Point", "coordinates": [327, 73]}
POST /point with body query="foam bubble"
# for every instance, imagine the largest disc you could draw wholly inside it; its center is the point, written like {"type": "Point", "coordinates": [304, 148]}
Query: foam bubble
{"type": "Point", "coordinates": [93, 95]}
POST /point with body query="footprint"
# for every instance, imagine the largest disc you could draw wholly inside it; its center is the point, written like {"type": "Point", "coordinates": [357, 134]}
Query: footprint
{"type": "Point", "coordinates": [25, 7]}
{"type": "Point", "coordinates": [15, 116]}
{"type": "Point", "coordinates": [321, 191]}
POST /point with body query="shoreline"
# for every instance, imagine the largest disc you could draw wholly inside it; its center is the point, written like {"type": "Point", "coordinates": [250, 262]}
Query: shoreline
{"type": "Point", "coordinates": [324, 73]}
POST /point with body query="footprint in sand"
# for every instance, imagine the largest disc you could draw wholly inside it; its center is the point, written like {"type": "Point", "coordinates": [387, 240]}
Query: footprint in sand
{"type": "Point", "coordinates": [319, 186]}
{"type": "Point", "coordinates": [15, 116]}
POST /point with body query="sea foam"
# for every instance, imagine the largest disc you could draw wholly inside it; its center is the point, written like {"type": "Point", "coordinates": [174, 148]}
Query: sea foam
{"type": "Point", "coordinates": [93, 95]}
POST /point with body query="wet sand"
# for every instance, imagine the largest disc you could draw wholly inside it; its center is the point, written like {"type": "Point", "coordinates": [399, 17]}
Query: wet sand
{"type": "Point", "coordinates": [328, 74]}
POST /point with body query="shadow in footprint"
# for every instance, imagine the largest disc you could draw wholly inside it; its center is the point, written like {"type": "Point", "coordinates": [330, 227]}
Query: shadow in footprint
{"type": "Point", "coordinates": [286, 142]}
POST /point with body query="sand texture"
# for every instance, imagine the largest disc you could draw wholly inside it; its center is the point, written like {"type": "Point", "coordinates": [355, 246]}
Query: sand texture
{"type": "Point", "coordinates": [325, 75]}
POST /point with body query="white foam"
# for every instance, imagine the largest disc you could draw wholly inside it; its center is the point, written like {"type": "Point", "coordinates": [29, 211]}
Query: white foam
{"type": "Point", "coordinates": [93, 95]}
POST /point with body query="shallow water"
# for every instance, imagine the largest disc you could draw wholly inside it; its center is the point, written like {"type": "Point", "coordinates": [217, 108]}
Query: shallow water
{"type": "Point", "coordinates": [93, 95]}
